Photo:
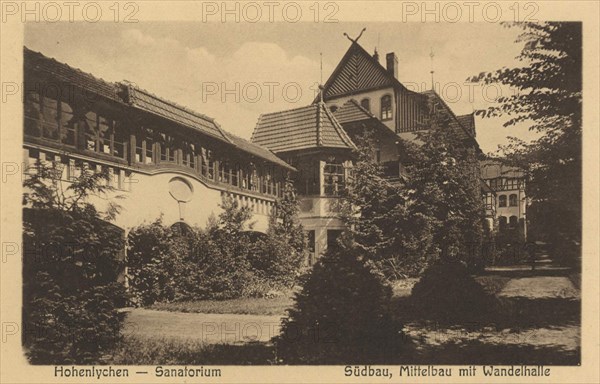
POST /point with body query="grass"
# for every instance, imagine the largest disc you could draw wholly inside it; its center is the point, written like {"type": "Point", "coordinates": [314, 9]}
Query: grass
{"type": "Point", "coordinates": [492, 284]}
{"type": "Point", "coordinates": [246, 306]}
{"type": "Point", "coordinates": [277, 306]}
{"type": "Point", "coordinates": [521, 331]}
{"type": "Point", "coordinates": [164, 351]}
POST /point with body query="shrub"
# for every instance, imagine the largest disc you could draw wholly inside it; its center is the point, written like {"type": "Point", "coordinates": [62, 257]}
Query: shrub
{"type": "Point", "coordinates": [340, 316]}
{"type": "Point", "coordinates": [447, 292]}
{"type": "Point", "coordinates": [155, 259]}
{"type": "Point", "coordinates": [70, 291]}
{"type": "Point", "coordinates": [222, 262]}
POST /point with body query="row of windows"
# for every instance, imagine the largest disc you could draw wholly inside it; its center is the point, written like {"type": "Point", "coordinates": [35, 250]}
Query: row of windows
{"type": "Point", "coordinates": [512, 200]}
{"type": "Point", "coordinates": [502, 183]}
{"type": "Point", "coordinates": [55, 121]}
{"type": "Point", "coordinates": [511, 222]}
{"type": "Point", "coordinates": [71, 169]}
{"type": "Point", "coordinates": [386, 107]}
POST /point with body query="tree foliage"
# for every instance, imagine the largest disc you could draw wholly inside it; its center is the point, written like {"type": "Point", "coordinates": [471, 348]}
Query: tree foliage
{"type": "Point", "coordinates": [383, 224]}
{"type": "Point", "coordinates": [341, 315]}
{"type": "Point", "coordinates": [223, 261]}
{"type": "Point", "coordinates": [548, 98]}
{"type": "Point", "coordinates": [443, 185]}
{"type": "Point", "coordinates": [71, 263]}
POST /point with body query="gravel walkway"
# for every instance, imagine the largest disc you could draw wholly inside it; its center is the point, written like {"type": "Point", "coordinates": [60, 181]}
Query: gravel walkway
{"type": "Point", "coordinates": [541, 287]}
{"type": "Point", "coordinates": [205, 327]}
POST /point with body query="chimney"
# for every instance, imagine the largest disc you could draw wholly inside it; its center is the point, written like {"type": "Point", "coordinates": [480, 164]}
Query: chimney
{"type": "Point", "coordinates": [376, 55]}
{"type": "Point", "coordinates": [392, 64]}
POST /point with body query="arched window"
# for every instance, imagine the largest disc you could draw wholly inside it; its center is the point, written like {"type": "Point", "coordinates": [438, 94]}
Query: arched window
{"type": "Point", "coordinates": [513, 221]}
{"type": "Point", "coordinates": [502, 201]}
{"type": "Point", "coordinates": [366, 104]}
{"type": "Point", "coordinates": [386, 107]}
{"type": "Point", "coordinates": [512, 200]}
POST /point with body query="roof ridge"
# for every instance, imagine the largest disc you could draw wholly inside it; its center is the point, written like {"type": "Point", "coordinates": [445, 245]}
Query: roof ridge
{"type": "Point", "coordinates": [356, 46]}
{"type": "Point", "coordinates": [31, 51]}
{"type": "Point", "coordinates": [319, 123]}
{"type": "Point", "coordinates": [183, 108]}
{"type": "Point", "coordinates": [433, 92]}
{"type": "Point", "coordinates": [173, 103]}
{"type": "Point", "coordinates": [287, 110]}
{"type": "Point", "coordinates": [338, 128]}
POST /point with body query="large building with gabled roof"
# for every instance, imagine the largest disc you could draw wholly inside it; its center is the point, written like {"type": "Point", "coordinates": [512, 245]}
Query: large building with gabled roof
{"type": "Point", "coordinates": [360, 94]}
{"type": "Point", "coordinates": [163, 159]}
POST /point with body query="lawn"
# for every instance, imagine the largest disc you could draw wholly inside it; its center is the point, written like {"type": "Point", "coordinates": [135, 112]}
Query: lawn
{"type": "Point", "coordinates": [246, 306]}
{"type": "Point", "coordinates": [537, 322]}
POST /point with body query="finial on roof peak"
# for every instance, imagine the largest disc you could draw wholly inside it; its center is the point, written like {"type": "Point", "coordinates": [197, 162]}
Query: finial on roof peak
{"type": "Point", "coordinates": [357, 37]}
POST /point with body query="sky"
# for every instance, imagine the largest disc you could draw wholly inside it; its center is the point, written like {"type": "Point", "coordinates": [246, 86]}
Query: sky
{"type": "Point", "coordinates": [234, 72]}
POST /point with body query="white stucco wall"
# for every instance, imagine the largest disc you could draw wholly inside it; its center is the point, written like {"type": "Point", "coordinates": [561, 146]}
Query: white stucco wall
{"type": "Point", "coordinates": [145, 197]}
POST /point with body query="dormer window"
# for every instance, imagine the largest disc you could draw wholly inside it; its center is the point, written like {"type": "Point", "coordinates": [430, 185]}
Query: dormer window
{"type": "Point", "coordinates": [366, 104]}
{"type": "Point", "coordinates": [386, 107]}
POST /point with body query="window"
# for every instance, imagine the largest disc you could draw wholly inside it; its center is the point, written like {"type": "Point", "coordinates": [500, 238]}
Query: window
{"type": "Point", "coordinates": [512, 184]}
{"type": "Point", "coordinates": [333, 108]}
{"type": "Point", "coordinates": [144, 147]}
{"type": "Point", "coordinates": [168, 149]}
{"type": "Point", "coordinates": [502, 222]}
{"type": "Point", "coordinates": [366, 104]}
{"type": "Point", "coordinates": [310, 239]}
{"type": "Point", "coordinates": [502, 201]}
{"type": "Point", "coordinates": [33, 114]}
{"type": "Point", "coordinates": [513, 221]}
{"type": "Point", "coordinates": [333, 175]}
{"type": "Point", "coordinates": [386, 107]}
{"type": "Point", "coordinates": [120, 140]}
{"type": "Point", "coordinates": [254, 184]}
{"type": "Point", "coordinates": [97, 133]}
{"type": "Point", "coordinates": [50, 113]}
{"type": "Point", "coordinates": [512, 200]}
{"type": "Point", "coordinates": [223, 175]}
{"type": "Point", "coordinates": [49, 118]}
{"type": "Point", "coordinates": [332, 238]}
{"type": "Point", "coordinates": [207, 164]}
{"type": "Point", "coordinates": [189, 155]}
{"type": "Point", "coordinates": [67, 124]}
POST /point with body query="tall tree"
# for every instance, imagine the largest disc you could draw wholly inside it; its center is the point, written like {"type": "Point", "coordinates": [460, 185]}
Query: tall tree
{"type": "Point", "coordinates": [381, 218]}
{"type": "Point", "coordinates": [443, 183]}
{"type": "Point", "coordinates": [549, 100]}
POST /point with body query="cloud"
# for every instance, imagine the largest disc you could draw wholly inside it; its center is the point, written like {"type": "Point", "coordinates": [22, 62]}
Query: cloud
{"type": "Point", "coordinates": [234, 89]}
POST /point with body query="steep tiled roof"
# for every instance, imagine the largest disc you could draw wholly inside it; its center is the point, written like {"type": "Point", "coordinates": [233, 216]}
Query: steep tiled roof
{"type": "Point", "coordinates": [468, 121]}
{"type": "Point", "coordinates": [149, 102]}
{"type": "Point", "coordinates": [127, 94]}
{"type": "Point", "coordinates": [42, 65]}
{"type": "Point", "coordinates": [358, 71]}
{"type": "Point", "coordinates": [456, 125]}
{"type": "Point", "coordinates": [351, 111]}
{"type": "Point", "coordinates": [257, 150]}
{"type": "Point", "coordinates": [300, 128]}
